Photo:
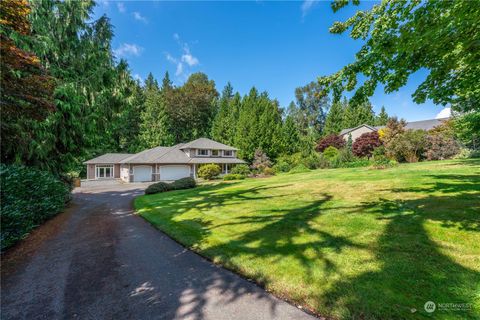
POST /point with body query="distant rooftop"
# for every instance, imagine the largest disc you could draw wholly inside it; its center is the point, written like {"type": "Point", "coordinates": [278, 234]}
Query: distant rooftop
{"type": "Point", "coordinates": [414, 125]}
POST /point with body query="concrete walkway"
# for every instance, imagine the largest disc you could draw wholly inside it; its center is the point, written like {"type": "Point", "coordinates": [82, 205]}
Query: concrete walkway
{"type": "Point", "coordinates": [100, 261]}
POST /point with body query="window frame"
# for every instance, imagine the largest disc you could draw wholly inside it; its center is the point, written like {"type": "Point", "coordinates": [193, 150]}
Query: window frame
{"type": "Point", "coordinates": [228, 155]}
{"type": "Point", "coordinates": [99, 168]}
{"type": "Point", "coordinates": [203, 155]}
{"type": "Point", "coordinates": [216, 151]}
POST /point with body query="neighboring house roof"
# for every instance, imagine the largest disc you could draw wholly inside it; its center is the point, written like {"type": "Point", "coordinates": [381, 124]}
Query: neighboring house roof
{"type": "Point", "coordinates": [414, 125]}
{"type": "Point", "coordinates": [204, 143]}
{"type": "Point", "coordinates": [345, 131]}
{"type": "Point", "coordinates": [108, 158]}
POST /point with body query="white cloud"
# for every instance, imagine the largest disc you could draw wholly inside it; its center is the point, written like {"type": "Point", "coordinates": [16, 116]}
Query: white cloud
{"type": "Point", "coordinates": [179, 70]}
{"type": "Point", "coordinates": [139, 17]}
{"type": "Point", "coordinates": [445, 113]}
{"type": "Point", "coordinates": [121, 7]}
{"type": "Point", "coordinates": [307, 5]}
{"type": "Point", "coordinates": [186, 59]}
{"type": "Point", "coordinates": [127, 49]}
{"type": "Point", "coordinates": [189, 59]}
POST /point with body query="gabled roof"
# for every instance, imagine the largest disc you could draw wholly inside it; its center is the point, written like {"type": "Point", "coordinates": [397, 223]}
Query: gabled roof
{"type": "Point", "coordinates": [414, 125]}
{"type": "Point", "coordinates": [345, 131]}
{"type": "Point", "coordinates": [159, 155]}
{"type": "Point", "coordinates": [204, 143]}
{"type": "Point", "coordinates": [108, 158]}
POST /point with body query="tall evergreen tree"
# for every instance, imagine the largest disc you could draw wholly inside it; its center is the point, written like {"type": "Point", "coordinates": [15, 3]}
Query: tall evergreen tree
{"type": "Point", "coordinates": [382, 118]}
{"type": "Point", "coordinates": [334, 121]}
{"type": "Point", "coordinates": [311, 108]}
{"type": "Point", "coordinates": [291, 136]}
{"type": "Point", "coordinates": [223, 126]}
{"type": "Point", "coordinates": [155, 128]}
{"type": "Point", "coordinates": [357, 114]}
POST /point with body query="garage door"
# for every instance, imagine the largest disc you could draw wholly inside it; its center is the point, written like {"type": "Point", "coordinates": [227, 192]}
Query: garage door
{"type": "Point", "coordinates": [142, 173]}
{"type": "Point", "coordinates": [174, 172]}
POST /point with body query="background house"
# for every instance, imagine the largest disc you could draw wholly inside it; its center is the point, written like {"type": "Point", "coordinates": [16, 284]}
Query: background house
{"type": "Point", "coordinates": [415, 125]}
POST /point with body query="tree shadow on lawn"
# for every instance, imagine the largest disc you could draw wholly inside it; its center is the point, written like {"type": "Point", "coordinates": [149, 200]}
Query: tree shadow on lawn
{"type": "Point", "coordinates": [413, 268]}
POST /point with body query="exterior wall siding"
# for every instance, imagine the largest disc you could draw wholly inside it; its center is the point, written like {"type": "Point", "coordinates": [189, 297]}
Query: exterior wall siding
{"type": "Point", "coordinates": [91, 171]}
{"type": "Point", "coordinates": [357, 133]}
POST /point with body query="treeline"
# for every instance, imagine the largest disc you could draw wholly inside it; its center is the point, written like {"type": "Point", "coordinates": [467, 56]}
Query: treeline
{"type": "Point", "coordinates": [65, 98]}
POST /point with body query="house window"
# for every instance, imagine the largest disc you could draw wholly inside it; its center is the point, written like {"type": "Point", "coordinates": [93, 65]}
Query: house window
{"type": "Point", "coordinates": [228, 153]}
{"type": "Point", "coordinates": [104, 171]}
{"type": "Point", "coordinates": [215, 153]}
{"type": "Point", "coordinates": [202, 152]}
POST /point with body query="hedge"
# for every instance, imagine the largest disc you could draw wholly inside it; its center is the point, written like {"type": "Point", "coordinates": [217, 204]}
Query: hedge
{"type": "Point", "coordinates": [28, 198]}
{"type": "Point", "coordinates": [180, 184]}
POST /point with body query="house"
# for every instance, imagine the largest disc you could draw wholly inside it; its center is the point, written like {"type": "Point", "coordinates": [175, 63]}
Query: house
{"type": "Point", "coordinates": [162, 163]}
{"type": "Point", "coordinates": [415, 125]}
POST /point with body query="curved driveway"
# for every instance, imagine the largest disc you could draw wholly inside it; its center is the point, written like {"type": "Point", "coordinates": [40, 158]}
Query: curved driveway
{"type": "Point", "coordinates": [100, 261]}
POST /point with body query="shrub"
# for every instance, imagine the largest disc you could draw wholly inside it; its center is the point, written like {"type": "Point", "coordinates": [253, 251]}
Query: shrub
{"type": "Point", "coordinates": [440, 146]}
{"type": "Point", "coordinates": [408, 146]}
{"type": "Point", "coordinates": [184, 183]}
{"type": "Point", "coordinates": [241, 169]}
{"type": "Point", "coordinates": [261, 161]}
{"type": "Point", "coordinates": [282, 166]}
{"type": "Point", "coordinates": [180, 184]}
{"type": "Point", "coordinates": [330, 153]}
{"type": "Point", "coordinates": [28, 198]}
{"type": "Point", "coordinates": [365, 144]}
{"type": "Point", "coordinates": [382, 162]}
{"type": "Point", "coordinates": [209, 171]}
{"type": "Point", "coordinates": [299, 168]}
{"type": "Point", "coordinates": [233, 176]}
{"type": "Point", "coordinates": [332, 140]}
{"type": "Point", "coordinates": [268, 171]}
{"type": "Point", "coordinates": [158, 187]}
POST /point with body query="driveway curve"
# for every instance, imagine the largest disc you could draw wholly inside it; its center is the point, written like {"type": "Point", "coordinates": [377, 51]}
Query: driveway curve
{"type": "Point", "coordinates": [97, 260]}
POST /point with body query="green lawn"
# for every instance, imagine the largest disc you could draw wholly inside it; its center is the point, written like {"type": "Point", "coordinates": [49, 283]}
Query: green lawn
{"type": "Point", "coordinates": [345, 243]}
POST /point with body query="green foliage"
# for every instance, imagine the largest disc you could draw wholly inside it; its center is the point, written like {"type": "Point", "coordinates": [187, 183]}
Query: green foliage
{"type": "Point", "coordinates": [358, 114]}
{"type": "Point", "coordinates": [28, 198]}
{"type": "Point", "coordinates": [382, 118]}
{"type": "Point", "coordinates": [440, 147]}
{"type": "Point", "coordinates": [180, 184]}
{"type": "Point", "coordinates": [242, 169]}
{"type": "Point", "coordinates": [311, 109]}
{"type": "Point", "coordinates": [408, 146]}
{"type": "Point", "coordinates": [334, 120]}
{"type": "Point", "coordinates": [268, 171]}
{"type": "Point", "coordinates": [467, 129]}
{"type": "Point", "coordinates": [330, 153]}
{"type": "Point", "coordinates": [299, 168]}
{"type": "Point", "coordinates": [184, 183]}
{"type": "Point", "coordinates": [209, 171]}
{"type": "Point", "coordinates": [403, 37]}
{"type": "Point", "coordinates": [233, 176]}
{"type": "Point", "coordinates": [158, 187]}
{"type": "Point", "coordinates": [224, 123]}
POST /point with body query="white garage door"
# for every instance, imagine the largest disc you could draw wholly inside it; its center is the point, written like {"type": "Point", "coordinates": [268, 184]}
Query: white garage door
{"type": "Point", "coordinates": [174, 172]}
{"type": "Point", "coordinates": [142, 173]}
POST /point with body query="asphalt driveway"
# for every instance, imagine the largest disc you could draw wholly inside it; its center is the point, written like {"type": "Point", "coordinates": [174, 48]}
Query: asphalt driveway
{"type": "Point", "coordinates": [100, 261]}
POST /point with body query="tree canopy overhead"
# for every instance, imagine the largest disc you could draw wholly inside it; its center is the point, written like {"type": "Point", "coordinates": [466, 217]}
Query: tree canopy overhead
{"type": "Point", "coordinates": [403, 37]}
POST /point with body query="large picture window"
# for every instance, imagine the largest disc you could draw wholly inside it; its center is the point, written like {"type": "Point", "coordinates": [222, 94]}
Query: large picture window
{"type": "Point", "coordinates": [104, 171]}
{"type": "Point", "coordinates": [227, 153]}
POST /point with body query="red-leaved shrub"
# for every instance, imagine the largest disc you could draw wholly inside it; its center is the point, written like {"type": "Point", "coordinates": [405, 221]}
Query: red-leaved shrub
{"type": "Point", "coordinates": [330, 141]}
{"type": "Point", "coordinates": [364, 145]}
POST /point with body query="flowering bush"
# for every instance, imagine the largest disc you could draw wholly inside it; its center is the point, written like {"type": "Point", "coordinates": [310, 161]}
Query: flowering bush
{"type": "Point", "coordinates": [439, 147]}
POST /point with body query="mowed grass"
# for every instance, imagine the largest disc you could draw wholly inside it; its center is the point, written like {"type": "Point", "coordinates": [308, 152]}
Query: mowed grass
{"type": "Point", "coordinates": [344, 243]}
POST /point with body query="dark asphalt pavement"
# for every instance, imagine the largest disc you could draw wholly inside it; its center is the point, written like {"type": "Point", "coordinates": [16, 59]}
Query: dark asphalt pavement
{"type": "Point", "coordinates": [98, 260]}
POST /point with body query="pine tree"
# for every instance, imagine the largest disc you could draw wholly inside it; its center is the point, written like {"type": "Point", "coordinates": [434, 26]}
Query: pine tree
{"type": "Point", "coordinates": [334, 121]}
{"type": "Point", "coordinates": [291, 136]}
{"type": "Point", "coordinates": [382, 118]}
{"type": "Point", "coordinates": [155, 126]}
{"type": "Point", "coordinates": [222, 125]}
{"type": "Point", "coordinates": [358, 114]}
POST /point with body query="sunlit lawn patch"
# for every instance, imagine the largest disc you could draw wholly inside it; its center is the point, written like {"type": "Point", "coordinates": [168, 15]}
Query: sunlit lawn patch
{"type": "Point", "coordinates": [346, 243]}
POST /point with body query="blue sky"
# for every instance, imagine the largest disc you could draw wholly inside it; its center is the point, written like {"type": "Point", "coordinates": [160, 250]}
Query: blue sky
{"type": "Point", "coordinates": [274, 46]}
